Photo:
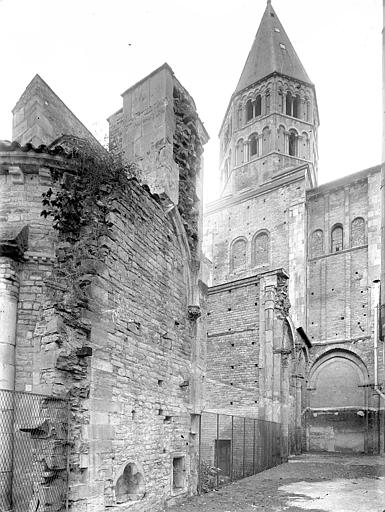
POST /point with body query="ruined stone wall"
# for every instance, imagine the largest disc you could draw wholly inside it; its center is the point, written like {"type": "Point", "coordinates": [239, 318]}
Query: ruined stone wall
{"type": "Point", "coordinates": [130, 360]}
{"type": "Point", "coordinates": [110, 317]}
{"type": "Point", "coordinates": [40, 117]}
{"type": "Point", "coordinates": [341, 300]}
{"type": "Point", "coordinates": [115, 139]}
{"type": "Point", "coordinates": [141, 375]}
{"type": "Point", "coordinates": [27, 256]}
{"type": "Point", "coordinates": [24, 176]}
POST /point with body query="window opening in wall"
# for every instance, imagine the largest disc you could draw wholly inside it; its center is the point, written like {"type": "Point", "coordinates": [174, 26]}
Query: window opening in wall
{"type": "Point", "coordinates": [178, 473]}
{"type": "Point", "coordinates": [337, 239]}
{"type": "Point", "coordinates": [277, 30]}
{"type": "Point", "coordinates": [254, 145]}
{"type": "Point", "coordinates": [283, 46]}
{"type": "Point", "coordinates": [280, 101]}
{"type": "Point", "coordinates": [258, 105]}
{"type": "Point", "coordinates": [296, 104]}
{"type": "Point", "coordinates": [249, 110]}
{"type": "Point", "coordinates": [289, 104]}
{"type": "Point", "coordinates": [293, 143]}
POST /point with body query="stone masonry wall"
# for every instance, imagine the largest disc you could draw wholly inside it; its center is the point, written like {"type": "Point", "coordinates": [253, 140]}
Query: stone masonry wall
{"type": "Point", "coordinates": [24, 176]}
{"type": "Point", "coordinates": [143, 342]}
{"type": "Point", "coordinates": [129, 364]}
{"type": "Point", "coordinates": [233, 346]}
{"type": "Point", "coordinates": [341, 299]}
{"type": "Point", "coordinates": [340, 305]}
{"type": "Point", "coordinates": [129, 351]}
{"type": "Point", "coordinates": [40, 117]}
{"type": "Point", "coordinates": [27, 245]}
{"type": "Point", "coordinates": [276, 210]}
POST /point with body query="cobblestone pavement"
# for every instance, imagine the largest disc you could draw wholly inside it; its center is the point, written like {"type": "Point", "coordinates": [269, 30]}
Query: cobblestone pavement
{"type": "Point", "coordinates": [310, 482]}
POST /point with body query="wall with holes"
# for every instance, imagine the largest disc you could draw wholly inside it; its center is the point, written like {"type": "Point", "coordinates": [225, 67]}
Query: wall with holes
{"type": "Point", "coordinates": [234, 243]}
{"type": "Point", "coordinates": [233, 347]}
{"type": "Point", "coordinates": [131, 356]}
{"type": "Point", "coordinates": [343, 257]}
{"type": "Point", "coordinates": [343, 237]}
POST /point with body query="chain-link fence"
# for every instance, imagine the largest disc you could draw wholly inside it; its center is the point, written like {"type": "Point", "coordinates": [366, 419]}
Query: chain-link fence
{"type": "Point", "coordinates": [234, 447]}
{"type": "Point", "coordinates": [33, 453]}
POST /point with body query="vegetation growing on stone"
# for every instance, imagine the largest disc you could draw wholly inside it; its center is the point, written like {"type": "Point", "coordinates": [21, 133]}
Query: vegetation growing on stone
{"type": "Point", "coordinates": [187, 149]}
{"type": "Point", "coordinates": [81, 203]}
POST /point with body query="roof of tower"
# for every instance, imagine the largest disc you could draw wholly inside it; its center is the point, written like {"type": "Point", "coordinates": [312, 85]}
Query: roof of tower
{"type": "Point", "coordinates": [272, 52]}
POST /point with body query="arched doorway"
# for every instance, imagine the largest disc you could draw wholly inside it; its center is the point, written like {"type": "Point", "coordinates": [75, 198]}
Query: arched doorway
{"type": "Point", "coordinates": [337, 418]}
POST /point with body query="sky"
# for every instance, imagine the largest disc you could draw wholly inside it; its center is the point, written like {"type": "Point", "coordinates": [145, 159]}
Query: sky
{"type": "Point", "coordinates": [90, 51]}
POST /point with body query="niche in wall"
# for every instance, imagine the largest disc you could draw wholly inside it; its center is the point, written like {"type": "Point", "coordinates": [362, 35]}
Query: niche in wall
{"type": "Point", "coordinates": [130, 483]}
{"type": "Point", "coordinates": [178, 473]}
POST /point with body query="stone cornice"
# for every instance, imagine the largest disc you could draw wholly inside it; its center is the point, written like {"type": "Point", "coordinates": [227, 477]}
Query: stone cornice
{"type": "Point", "coordinates": [331, 186]}
{"type": "Point", "coordinates": [292, 176]}
{"type": "Point", "coordinates": [350, 249]}
{"type": "Point", "coordinates": [246, 281]}
{"type": "Point", "coordinates": [17, 158]}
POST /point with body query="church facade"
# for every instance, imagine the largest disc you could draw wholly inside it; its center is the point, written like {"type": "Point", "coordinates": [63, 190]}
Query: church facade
{"type": "Point", "coordinates": [310, 365]}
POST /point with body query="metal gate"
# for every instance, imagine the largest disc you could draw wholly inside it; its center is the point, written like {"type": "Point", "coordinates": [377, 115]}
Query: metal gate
{"type": "Point", "coordinates": [234, 447]}
{"type": "Point", "coordinates": [34, 452]}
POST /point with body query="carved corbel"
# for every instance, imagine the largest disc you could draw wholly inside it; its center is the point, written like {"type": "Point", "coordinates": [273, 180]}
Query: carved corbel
{"type": "Point", "coordinates": [13, 242]}
{"type": "Point", "coordinates": [194, 312]}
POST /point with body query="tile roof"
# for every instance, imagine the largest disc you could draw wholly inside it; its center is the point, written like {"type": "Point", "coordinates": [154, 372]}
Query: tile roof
{"type": "Point", "coordinates": [271, 52]}
{"type": "Point", "coordinates": [8, 146]}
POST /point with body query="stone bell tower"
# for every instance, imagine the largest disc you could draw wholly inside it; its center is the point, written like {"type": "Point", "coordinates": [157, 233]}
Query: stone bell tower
{"type": "Point", "coordinates": [271, 122]}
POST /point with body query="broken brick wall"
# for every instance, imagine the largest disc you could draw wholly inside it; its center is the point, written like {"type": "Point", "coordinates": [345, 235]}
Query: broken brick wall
{"type": "Point", "coordinates": [27, 256]}
{"type": "Point", "coordinates": [143, 397]}
{"type": "Point", "coordinates": [130, 356]}
{"type": "Point", "coordinates": [24, 176]}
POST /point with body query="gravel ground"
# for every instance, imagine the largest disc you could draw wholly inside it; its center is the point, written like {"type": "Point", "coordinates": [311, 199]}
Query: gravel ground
{"type": "Point", "coordinates": [316, 483]}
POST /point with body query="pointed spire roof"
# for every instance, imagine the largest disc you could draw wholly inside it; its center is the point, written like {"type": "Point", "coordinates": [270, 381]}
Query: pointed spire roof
{"type": "Point", "coordinates": [271, 52]}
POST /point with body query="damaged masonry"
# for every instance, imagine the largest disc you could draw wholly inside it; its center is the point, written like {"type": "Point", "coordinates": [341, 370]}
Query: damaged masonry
{"type": "Point", "coordinates": [149, 351]}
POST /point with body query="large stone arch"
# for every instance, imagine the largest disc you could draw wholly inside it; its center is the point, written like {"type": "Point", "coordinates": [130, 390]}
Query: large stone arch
{"type": "Point", "coordinates": [337, 379]}
{"type": "Point", "coordinates": [338, 403]}
{"type": "Point", "coordinates": [189, 278]}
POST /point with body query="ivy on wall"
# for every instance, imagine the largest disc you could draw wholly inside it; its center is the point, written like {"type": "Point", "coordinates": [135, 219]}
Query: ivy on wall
{"type": "Point", "coordinates": [187, 151]}
{"type": "Point", "coordinates": [80, 203]}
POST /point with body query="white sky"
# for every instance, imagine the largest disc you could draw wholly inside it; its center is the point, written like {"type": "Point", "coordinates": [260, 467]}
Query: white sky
{"type": "Point", "coordinates": [90, 51]}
